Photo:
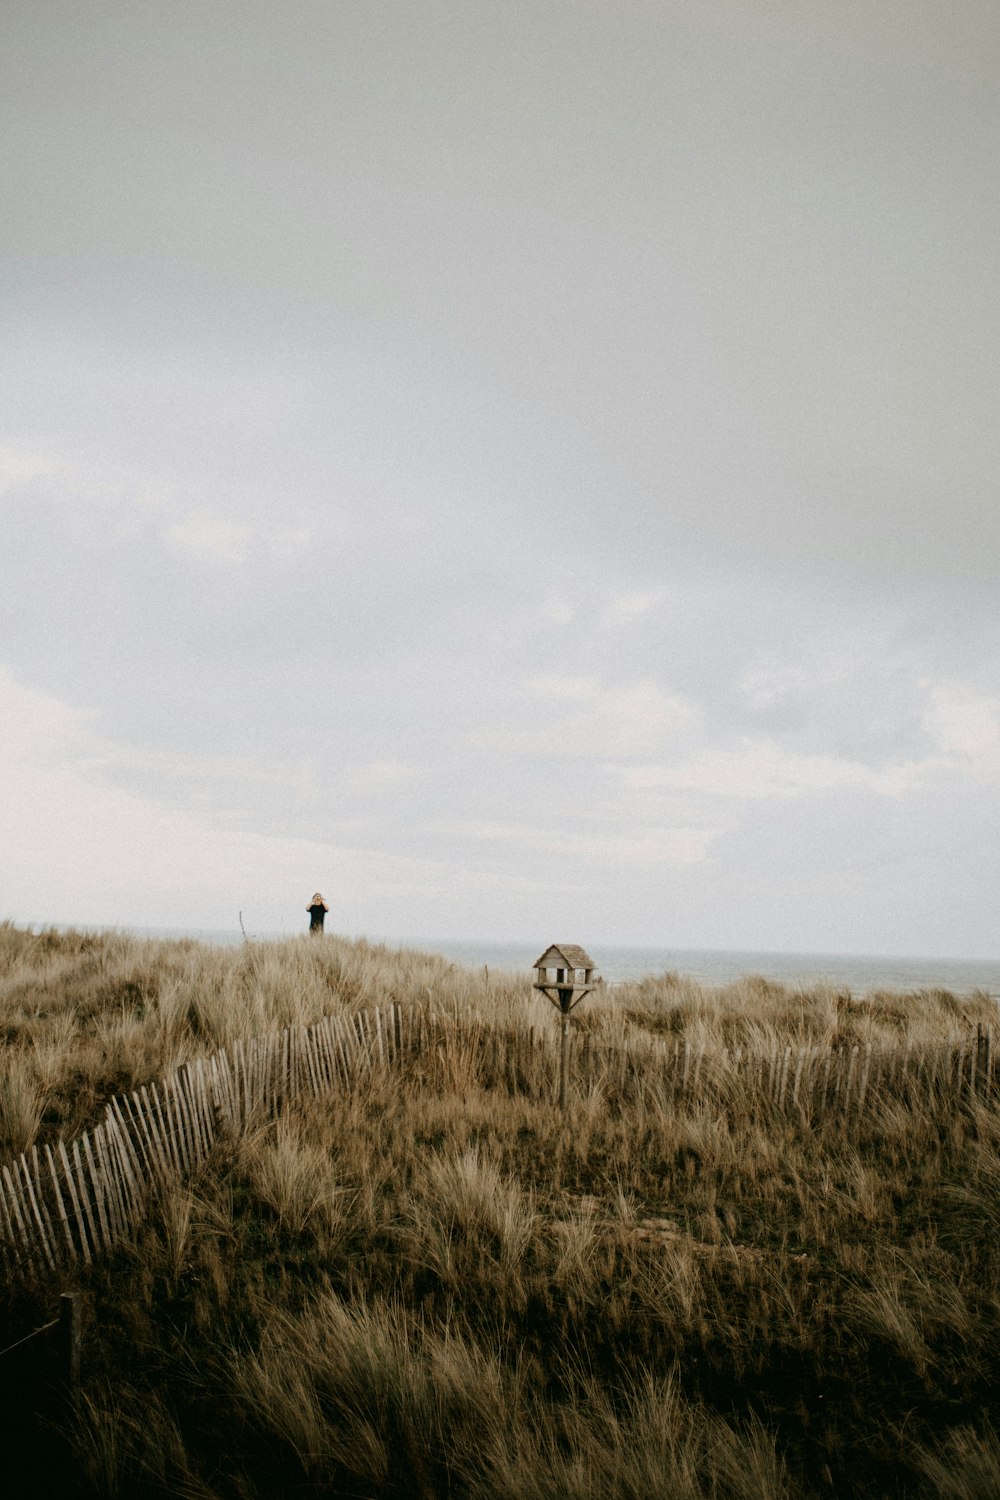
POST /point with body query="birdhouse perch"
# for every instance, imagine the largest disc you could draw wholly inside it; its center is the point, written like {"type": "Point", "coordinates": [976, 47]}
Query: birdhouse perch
{"type": "Point", "coordinates": [572, 973]}
{"type": "Point", "coordinates": [565, 975]}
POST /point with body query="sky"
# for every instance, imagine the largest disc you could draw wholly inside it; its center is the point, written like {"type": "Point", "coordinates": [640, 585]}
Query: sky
{"type": "Point", "coordinates": [527, 470]}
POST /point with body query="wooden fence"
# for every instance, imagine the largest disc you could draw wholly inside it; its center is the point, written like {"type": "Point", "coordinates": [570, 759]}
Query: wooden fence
{"type": "Point", "coordinates": [62, 1203]}
{"type": "Point", "coordinates": [812, 1082]}
{"type": "Point", "coordinates": [75, 1201]}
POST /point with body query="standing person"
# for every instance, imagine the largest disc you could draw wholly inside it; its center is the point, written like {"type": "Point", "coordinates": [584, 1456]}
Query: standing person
{"type": "Point", "coordinates": [317, 910]}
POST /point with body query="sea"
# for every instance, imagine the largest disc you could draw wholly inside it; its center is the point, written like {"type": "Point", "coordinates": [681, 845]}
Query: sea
{"type": "Point", "coordinates": [859, 973]}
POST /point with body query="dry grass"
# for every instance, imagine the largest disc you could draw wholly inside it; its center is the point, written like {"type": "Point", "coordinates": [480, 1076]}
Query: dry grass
{"type": "Point", "coordinates": [437, 1285]}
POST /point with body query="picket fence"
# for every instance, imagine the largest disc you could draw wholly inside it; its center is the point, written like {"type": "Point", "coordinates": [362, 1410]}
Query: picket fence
{"type": "Point", "coordinates": [65, 1202]}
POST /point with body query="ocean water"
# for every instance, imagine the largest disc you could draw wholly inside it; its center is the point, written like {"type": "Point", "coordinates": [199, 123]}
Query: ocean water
{"type": "Point", "coordinates": [859, 973]}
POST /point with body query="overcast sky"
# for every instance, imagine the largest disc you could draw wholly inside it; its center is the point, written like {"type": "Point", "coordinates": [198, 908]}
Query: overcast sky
{"type": "Point", "coordinates": [528, 469]}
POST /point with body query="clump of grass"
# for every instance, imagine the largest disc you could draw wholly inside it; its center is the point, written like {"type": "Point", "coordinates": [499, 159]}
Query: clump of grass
{"type": "Point", "coordinates": [22, 1103]}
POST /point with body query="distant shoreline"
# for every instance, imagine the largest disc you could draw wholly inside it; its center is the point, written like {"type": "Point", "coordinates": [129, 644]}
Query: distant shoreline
{"type": "Point", "coordinates": [860, 973]}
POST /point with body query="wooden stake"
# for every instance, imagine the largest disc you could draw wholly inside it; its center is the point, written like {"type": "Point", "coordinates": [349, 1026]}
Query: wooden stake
{"type": "Point", "coordinates": [69, 1338]}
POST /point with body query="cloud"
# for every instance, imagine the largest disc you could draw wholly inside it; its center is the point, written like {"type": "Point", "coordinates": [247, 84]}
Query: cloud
{"type": "Point", "coordinates": [631, 847]}
{"type": "Point", "coordinates": [965, 723]}
{"type": "Point", "coordinates": [207, 536]}
{"type": "Point", "coordinates": [761, 769]}
{"type": "Point", "coordinates": [602, 722]}
{"type": "Point", "coordinates": [77, 849]}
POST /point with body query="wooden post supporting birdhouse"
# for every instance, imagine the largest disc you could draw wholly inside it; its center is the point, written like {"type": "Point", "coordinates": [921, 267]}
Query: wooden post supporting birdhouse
{"type": "Point", "coordinates": [565, 975]}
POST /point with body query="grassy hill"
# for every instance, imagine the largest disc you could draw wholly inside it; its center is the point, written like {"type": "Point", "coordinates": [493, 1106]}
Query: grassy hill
{"type": "Point", "coordinates": [437, 1285]}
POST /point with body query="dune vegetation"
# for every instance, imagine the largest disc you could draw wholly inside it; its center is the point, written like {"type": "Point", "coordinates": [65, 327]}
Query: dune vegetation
{"type": "Point", "coordinates": [437, 1284]}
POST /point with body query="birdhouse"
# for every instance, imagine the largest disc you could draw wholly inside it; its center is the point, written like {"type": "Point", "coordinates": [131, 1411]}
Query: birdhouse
{"type": "Point", "coordinates": [565, 975]}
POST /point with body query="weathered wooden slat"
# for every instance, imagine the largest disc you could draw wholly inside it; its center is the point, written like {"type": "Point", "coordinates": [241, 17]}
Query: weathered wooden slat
{"type": "Point", "coordinates": [97, 1194]}
{"type": "Point", "coordinates": [324, 1036]}
{"type": "Point", "coordinates": [825, 1090]}
{"type": "Point", "coordinates": [86, 1198]}
{"type": "Point", "coordinates": [865, 1075]}
{"type": "Point", "coordinates": [201, 1082]}
{"type": "Point", "coordinates": [241, 1112]}
{"type": "Point", "coordinates": [60, 1203]}
{"type": "Point", "coordinates": [225, 1105]}
{"type": "Point", "coordinates": [131, 1167]}
{"type": "Point", "coordinates": [10, 1233]}
{"type": "Point", "coordinates": [109, 1183]}
{"type": "Point", "coordinates": [139, 1132]}
{"type": "Point", "coordinates": [164, 1134]}
{"type": "Point", "coordinates": [117, 1171]}
{"type": "Point", "coordinates": [18, 1209]}
{"type": "Point", "coordinates": [153, 1125]}
{"type": "Point", "coordinates": [185, 1108]}
{"type": "Point", "coordinates": [316, 1061]}
{"type": "Point", "coordinates": [800, 1062]}
{"type": "Point", "coordinates": [39, 1186]}
{"type": "Point", "coordinates": [75, 1200]}
{"type": "Point", "coordinates": [172, 1096]}
{"type": "Point", "coordinates": [32, 1199]}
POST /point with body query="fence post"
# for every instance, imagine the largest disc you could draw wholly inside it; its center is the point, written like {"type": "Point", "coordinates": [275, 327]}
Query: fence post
{"type": "Point", "coordinates": [69, 1339]}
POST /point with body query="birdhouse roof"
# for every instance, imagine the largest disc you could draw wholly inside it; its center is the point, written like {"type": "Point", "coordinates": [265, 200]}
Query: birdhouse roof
{"type": "Point", "coordinates": [564, 956]}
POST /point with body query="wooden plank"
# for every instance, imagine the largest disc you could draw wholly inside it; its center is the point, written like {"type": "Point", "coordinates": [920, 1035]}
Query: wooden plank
{"type": "Point", "coordinates": [314, 1061]}
{"type": "Point", "coordinates": [216, 1088]}
{"type": "Point", "coordinates": [987, 1060]}
{"type": "Point", "coordinates": [19, 1209]}
{"type": "Point", "coordinates": [799, 1065]}
{"type": "Point", "coordinates": [38, 1185]}
{"type": "Point", "coordinates": [116, 1162]}
{"type": "Point", "coordinates": [344, 1043]}
{"type": "Point", "coordinates": [138, 1133]}
{"type": "Point", "coordinates": [190, 1109]}
{"type": "Point", "coordinates": [153, 1123]}
{"type": "Point", "coordinates": [295, 1084]}
{"type": "Point", "coordinates": [865, 1075]}
{"type": "Point", "coordinates": [397, 1029]}
{"type": "Point", "coordinates": [10, 1234]}
{"type": "Point", "coordinates": [109, 1178]}
{"type": "Point", "coordinates": [168, 1133]}
{"type": "Point", "coordinates": [225, 1105]}
{"type": "Point", "coordinates": [98, 1194]}
{"type": "Point", "coordinates": [164, 1130]}
{"type": "Point", "coordinates": [172, 1094]}
{"type": "Point", "coordinates": [240, 1086]}
{"type": "Point", "coordinates": [379, 1038]}
{"type": "Point", "coordinates": [80, 1173]}
{"type": "Point", "coordinates": [343, 1048]}
{"type": "Point", "coordinates": [324, 1042]}
{"type": "Point", "coordinates": [825, 1095]}
{"type": "Point", "coordinates": [194, 1082]}
{"type": "Point", "coordinates": [256, 1082]}
{"type": "Point", "coordinates": [204, 1103]}
{"type": "Point", "coordinates": [60, 1203]}
{"type": "Point", "coordinates": [324, 1034]}
{"type": "Point", "coordinates": [81, 1227]}
{"type": "Point", "coordinates": [117, 1158]}
{"type": "Point", "coordinates": [185, 1104]}
{"type": "Point", "coordinates": [181, 1115]}
{"type": "Point", "coordinates": [850, 1077]}
{"type": "Point", "coordinates": [32, 1200]}
{"type": "Point", "coordinates": [131, 1166]}
{"type": "Point", "coordinates": [133, 1159]}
